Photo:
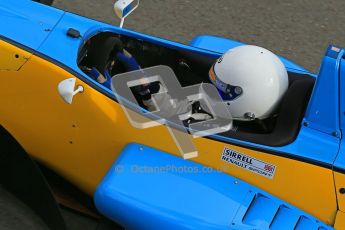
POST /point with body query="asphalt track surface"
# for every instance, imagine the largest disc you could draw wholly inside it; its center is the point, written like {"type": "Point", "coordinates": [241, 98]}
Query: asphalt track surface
{"type": "Point", "coordinates": [297, 29]}
{"type": "Point", "coordinates": [300, 30]}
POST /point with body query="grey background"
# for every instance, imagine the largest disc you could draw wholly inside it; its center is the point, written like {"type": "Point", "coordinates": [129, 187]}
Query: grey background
{"type": "Point", "coordinates": [300, 30]}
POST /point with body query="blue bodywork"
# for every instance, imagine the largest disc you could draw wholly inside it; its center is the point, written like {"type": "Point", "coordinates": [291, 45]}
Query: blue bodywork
{"type": "Point", "coordinates": [326, 93]}
{"type": "Point", "coordinates": [312, 144]}
{"type": "Point", "coordinates": [139, 187]}
{"type": "Point", "coordinates": [42, 30]}
{"type": "Point", "coordinates": [28, 23]}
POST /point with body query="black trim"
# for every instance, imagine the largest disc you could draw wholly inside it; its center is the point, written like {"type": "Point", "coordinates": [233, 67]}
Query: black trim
{"type": "Point", "coordinates": [338, 169]}
{"type": "Point", "coordinates": [219, 139]}
{"type": "Point", "coordinates": [45, 2]}
{"type": "Point", "coordinates": [12, 42]}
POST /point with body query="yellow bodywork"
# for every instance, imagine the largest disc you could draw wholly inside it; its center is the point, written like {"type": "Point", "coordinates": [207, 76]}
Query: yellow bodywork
{"type": "Point", "coordinates": [81, 141]}
{"type": "Point", "coordinates": [340, 184]}
{"type": "Point", "coordinates": [11, 57]}
{"type": "Point", "coordinates": [340, 221]}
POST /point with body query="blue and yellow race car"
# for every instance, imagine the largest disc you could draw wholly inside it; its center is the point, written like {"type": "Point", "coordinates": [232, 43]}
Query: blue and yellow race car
{"type": "Point", "coordinates": [291, 176]}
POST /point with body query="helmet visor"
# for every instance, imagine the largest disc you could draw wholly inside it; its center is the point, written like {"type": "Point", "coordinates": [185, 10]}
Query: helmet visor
{"type": "Point", "coordinates": [227, 92]}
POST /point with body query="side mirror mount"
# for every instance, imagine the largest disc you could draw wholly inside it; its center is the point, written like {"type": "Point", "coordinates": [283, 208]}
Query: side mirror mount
{"type": "Point", "coordinates": [67, 89]}
{"type": "Point", "coordinates": [123, 8]}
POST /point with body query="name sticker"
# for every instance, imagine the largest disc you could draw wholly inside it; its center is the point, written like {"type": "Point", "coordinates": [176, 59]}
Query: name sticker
{"type": "Point", "coordinates": [248, 163]}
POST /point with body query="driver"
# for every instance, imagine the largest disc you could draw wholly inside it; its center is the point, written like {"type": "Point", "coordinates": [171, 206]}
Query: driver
{"type": "Point", "coordinates": [110, 53]}
{"type": "Point", "coordinates": [251, 81]}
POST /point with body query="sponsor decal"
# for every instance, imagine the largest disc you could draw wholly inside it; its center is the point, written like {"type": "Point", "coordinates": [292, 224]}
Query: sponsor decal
{"type": "Point", "coordinates": [248, 163]}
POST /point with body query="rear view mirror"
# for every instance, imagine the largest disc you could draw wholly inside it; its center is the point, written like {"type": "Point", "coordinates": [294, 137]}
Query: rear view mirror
{"type": "Point", "coordinates": [123, 8]}
{"type": "Point", "coordinates": [67, 90]}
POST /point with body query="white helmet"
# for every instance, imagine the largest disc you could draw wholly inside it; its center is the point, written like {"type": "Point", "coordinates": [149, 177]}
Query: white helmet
{"type": "Point", "coordinates": [251, 80]}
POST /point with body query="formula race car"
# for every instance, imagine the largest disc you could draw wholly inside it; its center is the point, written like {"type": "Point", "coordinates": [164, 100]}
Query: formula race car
{"type": "Point", "coordinates": [61, 106]}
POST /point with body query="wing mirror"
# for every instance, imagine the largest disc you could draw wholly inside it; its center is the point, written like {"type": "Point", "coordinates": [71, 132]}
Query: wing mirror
{"type": "Point", "coordinates": [123, 8]}
{"type": "Point", "coordinates": [67, 89]}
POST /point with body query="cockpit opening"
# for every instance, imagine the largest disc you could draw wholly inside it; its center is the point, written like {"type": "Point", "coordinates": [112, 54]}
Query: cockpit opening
{"type": "Point", "coordinates": [108, 54]}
